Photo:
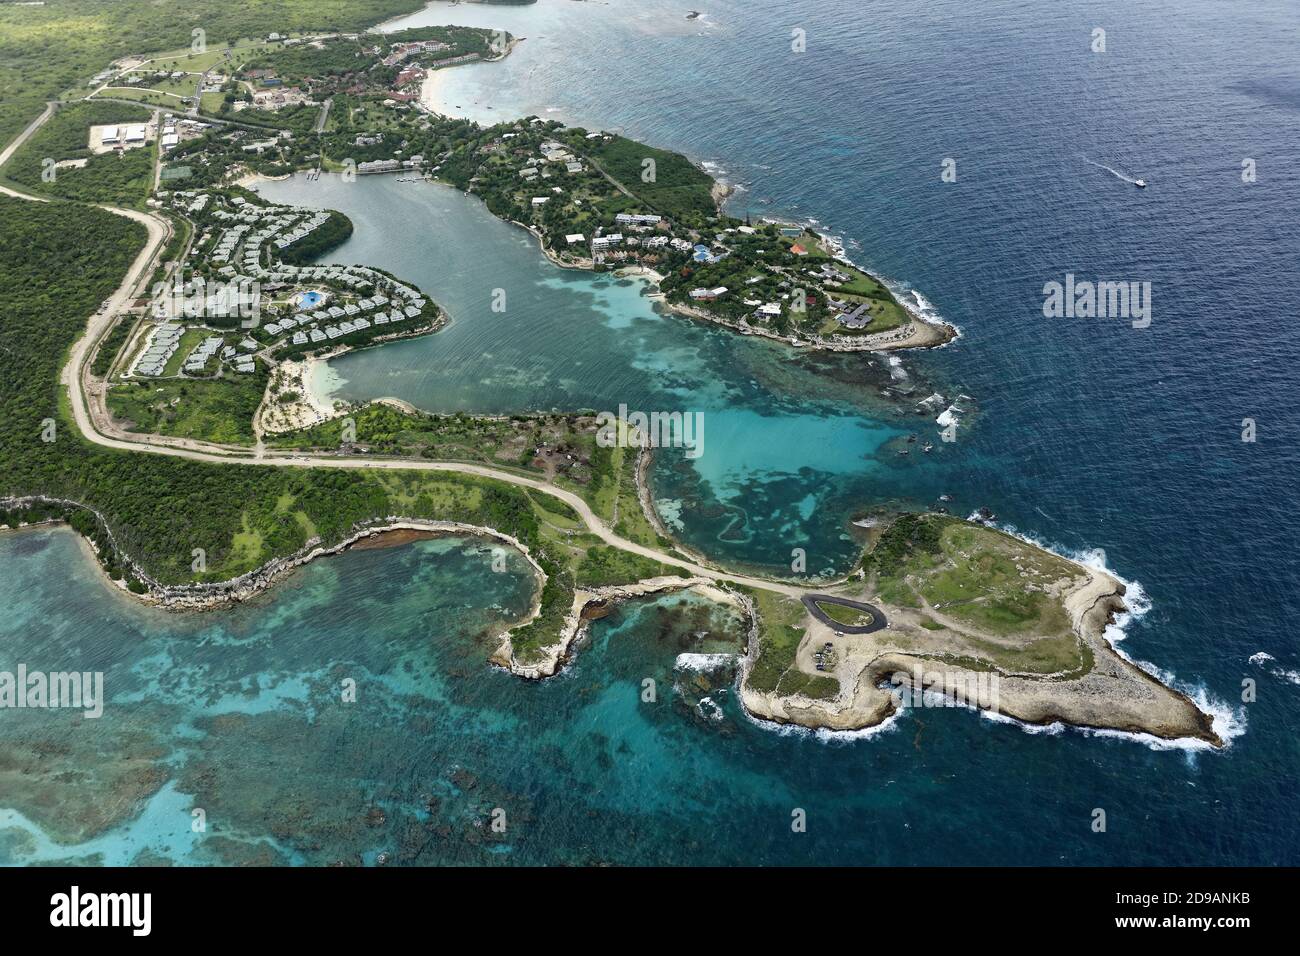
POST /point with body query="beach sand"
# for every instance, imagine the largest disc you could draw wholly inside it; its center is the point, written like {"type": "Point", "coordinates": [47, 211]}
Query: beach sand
{"type": "Point", "coordinates": [311, 408]}
{"type": "Point", "coordinates": [431, 93]}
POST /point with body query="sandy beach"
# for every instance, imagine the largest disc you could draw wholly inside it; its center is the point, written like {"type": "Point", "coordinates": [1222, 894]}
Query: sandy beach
{"type": "Point", "coordinates": [310, 407]}
{"type": "Point", "coordinates": [433, 89]}
{"type": "Point", "coordinates": [430, 93]}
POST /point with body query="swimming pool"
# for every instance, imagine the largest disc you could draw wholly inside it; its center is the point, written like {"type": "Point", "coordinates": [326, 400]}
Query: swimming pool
{"type": "Point", "coordinates": [306, 301]}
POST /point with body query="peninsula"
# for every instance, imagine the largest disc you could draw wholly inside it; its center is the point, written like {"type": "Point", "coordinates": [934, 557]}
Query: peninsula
{"type": "Point", "coordinates": [172, 429]}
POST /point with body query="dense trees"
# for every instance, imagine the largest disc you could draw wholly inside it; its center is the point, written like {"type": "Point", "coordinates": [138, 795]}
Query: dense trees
{"type": "Point", "coordinates": [326, 237]}
{"type": "Point", "coordinates": [58, 261]}
{"type": "Point", "coordinates": [669, 182]}
{"type": "Point", "coordinates": [47, 50]}
{"type": "Point", "coordinates": [124, 178]}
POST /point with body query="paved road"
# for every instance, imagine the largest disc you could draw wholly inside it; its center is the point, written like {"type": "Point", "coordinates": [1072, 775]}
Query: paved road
{"type": "Point", "coordinates": [21, 138]}
{"type": "Point", "coordinates": [73, 377]}
{"type": "Point", "coordinates": [878, 621]}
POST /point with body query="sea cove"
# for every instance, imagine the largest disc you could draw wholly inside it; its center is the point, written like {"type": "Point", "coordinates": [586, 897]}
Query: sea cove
{"type": "Point", "coordinates": [348, 714]}
{"type": "Point", "coordinates": [797, 443]}
{"type": "Point", "coordinates": [244, 715]}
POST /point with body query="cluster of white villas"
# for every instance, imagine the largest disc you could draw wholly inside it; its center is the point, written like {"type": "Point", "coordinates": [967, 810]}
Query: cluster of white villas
{"type": "Point", "coordinates": [314, 327]}
{"type": "Point", "coordinates": [198, 359]}
{"type": "Point", "coordinates": [251, 228]}
{"type": "Point", "coordinates": [552, 152]}
{"type": "Point", "coordinates": [162, 346]}
{"type": "Point", "coordinates": [636, 223]}
{"type": "Point", "coordinates": [166, 339]}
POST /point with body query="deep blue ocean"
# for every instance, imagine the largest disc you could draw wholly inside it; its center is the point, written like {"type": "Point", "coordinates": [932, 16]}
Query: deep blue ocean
{"type": "Point", "coordinates": [1089, 435]}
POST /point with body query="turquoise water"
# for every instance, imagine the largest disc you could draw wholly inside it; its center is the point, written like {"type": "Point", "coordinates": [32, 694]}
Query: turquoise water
{"type": "Point", "coordinates": [240, 713]}
{"type": "Point", "coordinates": [308, 301]}
{"type": "Point", "coordinates": [793, 444]}
{"type": "Point", "coordinates": [1089, 436]}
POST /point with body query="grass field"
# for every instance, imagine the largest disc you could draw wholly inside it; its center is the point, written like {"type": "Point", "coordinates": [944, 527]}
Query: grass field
{"type": "Point", "coordinates": [190, 338]}
{"type": "Point", "coordinates": [211, 103]}
{"type": "Point", "coordinates": [148, 97]}
{"type": "Point", "coordinates": [780, 632]}
{"type": "Point", "coordinates": [187, 85]}
{"type": "Point", "coordinates": [850, 616]}
{"type": "Point", "coordinates": [222, 55]}
{"type": "Point", "coordinates": [604, 565]}
{"type": "Point", "coordinates": [884, 316]}
{"type": "Point", "coordinates": [992, 580]}
{"type": "Point", "coordinates": [1000, 594]}
{"type": "Point", "coordinates": [217, 410]}
{"type": "Point", "coordinates": [614, 496]}
{"type": "Point", "coordinates": [165, 92]}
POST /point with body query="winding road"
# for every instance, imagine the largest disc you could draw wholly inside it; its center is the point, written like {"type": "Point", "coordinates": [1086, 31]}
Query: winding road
{"type": "Point", "coordinates": [813, 601]}
{"type": "Point", "coordinates": [74, 378]}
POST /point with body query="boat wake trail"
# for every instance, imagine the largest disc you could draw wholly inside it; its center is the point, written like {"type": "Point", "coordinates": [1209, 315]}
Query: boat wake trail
{"type": "Point", "coordinates": [1114, 172]}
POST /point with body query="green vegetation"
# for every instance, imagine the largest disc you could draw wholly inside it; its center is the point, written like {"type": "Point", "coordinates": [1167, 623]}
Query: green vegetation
{"type": "Point", "coordinates": [979, 576]}
{"type": "Point", "coordinates": [679, 189]}
{"type": "Point", "coordinates": [217, 410]}
{"type": "Point", "coordinates": [559, 182]}
{"type": "Point", "coordinates": [1061, 654]}
{"type": "Point", "coordinates": [999, 593]}
{"type": "Point", "coordinates": [814, 686]}
{"type": "Point", "coordinates": [613, 496]}
{"type": "Point", "coordinates": [223, 56]}
{"type": "Point", "coordinates": [781, 629]}
{"type": "Point", "coordinates": [908, 535]}
{"type": "Point", "coordinates": [110, 345]}
{"type": "Point", "coordinates": [336, 64]}
{"type": "Point", "coordinates": [604, 565]}
{"type": "Point", "coordinates": [849, 616]}
{"type": "Point", "coordinates": [172, 251]}
{"type": "Point", "coordinates": [335, 231]}
{"type": "Point", "coordinates": [52, 50]}
{"type": "Point", "coordinates": [121, 177]}
{"type": "Point", "coordinates": [547, 445]}
{"type": "Point", "coordinates": [58, 261]}
{"type": "Point", "coordinates": [558, 448]}
{"type": "Point", "coordinates": [144, 95]}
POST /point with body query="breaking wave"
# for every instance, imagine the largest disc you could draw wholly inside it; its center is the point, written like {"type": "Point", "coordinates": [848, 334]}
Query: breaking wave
{"type": "Point", "coordinates": [1267, 661]}
{"type": "Point", "coordinates": [1225, 721]}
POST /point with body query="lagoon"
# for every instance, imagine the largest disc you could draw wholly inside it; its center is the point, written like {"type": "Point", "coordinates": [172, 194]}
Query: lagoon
{"type": "Point", "coordinates": [1088, 437]}
{"type": "Point", "coordinates": [796, 444]}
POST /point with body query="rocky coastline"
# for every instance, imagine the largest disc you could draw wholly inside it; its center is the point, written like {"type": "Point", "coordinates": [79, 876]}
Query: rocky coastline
{"type": "Point", "coordinates": [206, 596]}
{"type": "Point", "coordinates": [588, 604]}
{"type": "Point", "coordinates": [1114, 695]}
